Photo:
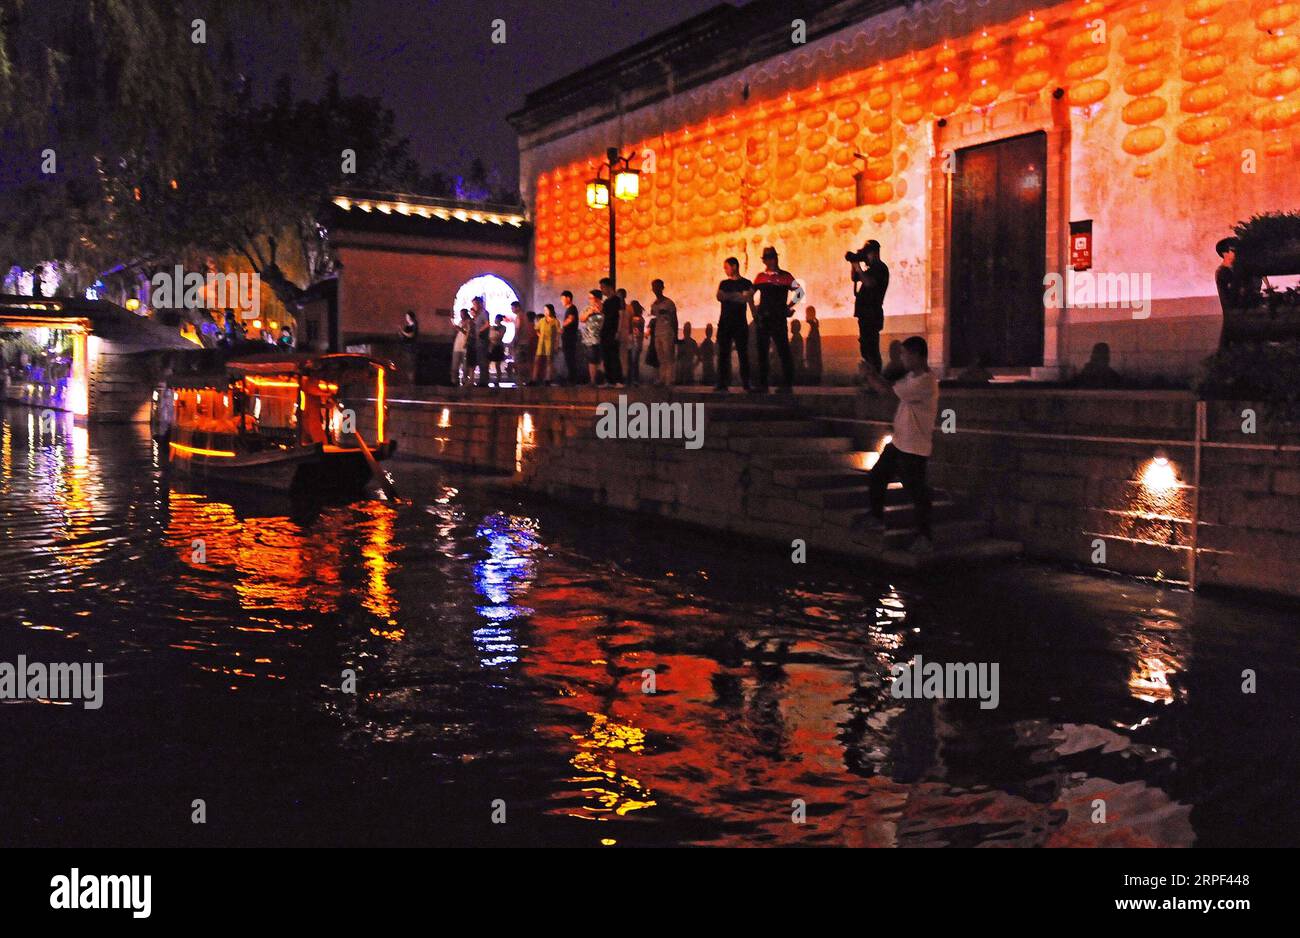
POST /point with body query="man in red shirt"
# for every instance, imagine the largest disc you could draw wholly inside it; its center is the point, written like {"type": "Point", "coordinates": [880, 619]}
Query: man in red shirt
{"type": "Point", "coordinates": [773, 287]}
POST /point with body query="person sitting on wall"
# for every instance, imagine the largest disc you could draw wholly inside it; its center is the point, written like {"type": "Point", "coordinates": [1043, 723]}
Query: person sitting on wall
{"type": "Point", "coordinates": [708, 358]}
{"type": "Point", "coordinates": [410, 327]}
{"type": "Point", "coordinates": [1098, 373]}
{"type": "Point", "coordinates": [975, 372]}
{"type": "Point", "coordinates": [688, 353]}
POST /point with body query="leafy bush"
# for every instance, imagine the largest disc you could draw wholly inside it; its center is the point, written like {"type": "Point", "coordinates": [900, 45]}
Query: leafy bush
{"type": "Point", "coordinates": [1255, 371]}
{"type": "Point", "coordinates": [1261, 236]}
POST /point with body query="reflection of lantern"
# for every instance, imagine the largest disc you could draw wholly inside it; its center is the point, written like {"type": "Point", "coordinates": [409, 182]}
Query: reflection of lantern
{"type": "Point", "coordinates": [1145, 53]}
{"type": "Point", "coordinates": [1277, 47]}
{"type": "Point", "coordinates": [1086, 53]}
{"type": "Point", "coordinates": [1205, 93]}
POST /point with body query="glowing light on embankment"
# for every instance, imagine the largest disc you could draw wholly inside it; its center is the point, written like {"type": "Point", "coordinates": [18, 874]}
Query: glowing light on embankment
{"type": "Point", "coordinates": [1159, 476]}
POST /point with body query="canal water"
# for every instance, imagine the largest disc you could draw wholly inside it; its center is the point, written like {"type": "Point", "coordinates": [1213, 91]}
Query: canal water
{"type": "Point", "coordinates": [503, 650]}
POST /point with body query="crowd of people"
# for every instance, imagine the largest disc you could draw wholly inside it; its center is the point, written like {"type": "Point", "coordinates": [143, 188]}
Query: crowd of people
{"type": "Point", "coordinates": [616, 341]}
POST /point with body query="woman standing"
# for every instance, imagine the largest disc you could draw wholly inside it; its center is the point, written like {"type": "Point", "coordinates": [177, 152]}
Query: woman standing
{"type": "Point", "coordinates": [592, 320]}
{"type": "Point", "coordinates": [636, 338]}
{"type": "Point", "coordinates": [548, 327]}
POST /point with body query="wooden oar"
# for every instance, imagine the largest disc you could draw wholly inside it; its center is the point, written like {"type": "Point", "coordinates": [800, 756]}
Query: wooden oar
{"type": "Point", "coordinates": [385, 481]}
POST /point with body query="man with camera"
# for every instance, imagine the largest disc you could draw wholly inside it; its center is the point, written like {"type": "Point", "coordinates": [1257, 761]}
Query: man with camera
{"type": "Point", "coordinates": [870, 281]}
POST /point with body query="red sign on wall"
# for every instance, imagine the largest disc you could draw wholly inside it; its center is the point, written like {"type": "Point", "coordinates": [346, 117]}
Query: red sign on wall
{"type": "Point", "coordinates": [1081, 244]}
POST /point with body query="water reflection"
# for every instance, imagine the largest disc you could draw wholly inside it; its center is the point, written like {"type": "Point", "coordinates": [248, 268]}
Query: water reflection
{"type": "Point", "coordinates": [615, 683]}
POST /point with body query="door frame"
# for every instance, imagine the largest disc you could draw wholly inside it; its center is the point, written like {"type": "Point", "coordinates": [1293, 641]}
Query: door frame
{"type": "Point", "coordinates": [1045, 113]}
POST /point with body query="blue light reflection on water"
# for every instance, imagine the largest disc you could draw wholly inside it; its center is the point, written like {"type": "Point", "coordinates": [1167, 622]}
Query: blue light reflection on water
{"type": "Point", "coordinates": [506, 572]}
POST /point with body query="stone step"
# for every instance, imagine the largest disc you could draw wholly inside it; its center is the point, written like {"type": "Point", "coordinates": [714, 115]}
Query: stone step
{"type": "Point", "coordinates": [765, 428]}
{"type": "Point", "coordinates": [777, 444]}
{"type": "Point", "coordinates": [808, 461]}
{"type": "Point", "coordinates": [899, 513]}
{"type": "Point", "coordinates": [982, 550]}
{"type": "Point", "coordinates": [819, 478]}
{"type": "Point", "coordinates": [751, 412]}
{"type": "Point", "coordinates": [947, 534]}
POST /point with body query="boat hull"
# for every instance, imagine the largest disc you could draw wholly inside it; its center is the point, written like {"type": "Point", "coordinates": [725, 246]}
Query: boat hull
{"type": "Point", "coordinates": [307, 468]}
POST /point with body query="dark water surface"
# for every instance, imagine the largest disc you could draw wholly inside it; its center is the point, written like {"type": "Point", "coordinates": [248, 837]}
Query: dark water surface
{"type": "Point", "coordinates": [501, 644]}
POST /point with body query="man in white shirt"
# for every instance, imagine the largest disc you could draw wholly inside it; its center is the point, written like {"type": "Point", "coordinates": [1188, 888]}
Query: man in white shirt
{"type": "Point", "coordinates": [904, 458]}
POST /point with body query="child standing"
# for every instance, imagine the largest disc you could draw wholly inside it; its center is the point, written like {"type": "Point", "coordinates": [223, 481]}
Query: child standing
{"type": "Point", "coordinates": [497, 350]}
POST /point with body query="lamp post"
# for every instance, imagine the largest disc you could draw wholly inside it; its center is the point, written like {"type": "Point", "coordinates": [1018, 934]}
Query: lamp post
{"type": "Point", "coordinates": [626, 186]}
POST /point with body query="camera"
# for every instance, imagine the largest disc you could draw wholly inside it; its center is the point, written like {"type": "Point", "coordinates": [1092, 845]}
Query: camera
{"type": "Point", "coordinates": [852, 256]}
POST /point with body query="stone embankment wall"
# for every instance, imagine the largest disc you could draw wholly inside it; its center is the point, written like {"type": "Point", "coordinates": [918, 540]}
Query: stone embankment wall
{"type": "Point", "coordinates": [1072, 475]}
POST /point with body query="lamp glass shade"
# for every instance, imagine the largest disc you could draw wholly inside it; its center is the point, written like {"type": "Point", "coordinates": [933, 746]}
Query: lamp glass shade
{"type": "Point", "coordinates": [627, 184]}
{"type": "Point", "coordinates": [597, 194]}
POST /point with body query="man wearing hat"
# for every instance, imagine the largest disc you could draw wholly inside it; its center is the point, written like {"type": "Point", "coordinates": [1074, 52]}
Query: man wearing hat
{"type": "Point", "coordinates": [771, 305]}
{"type": "Point", "coordinates": [870, 281]}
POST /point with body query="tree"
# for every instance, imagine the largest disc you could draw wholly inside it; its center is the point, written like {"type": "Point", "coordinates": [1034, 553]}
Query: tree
{"type": "Point", "coordinates": [111, 88]}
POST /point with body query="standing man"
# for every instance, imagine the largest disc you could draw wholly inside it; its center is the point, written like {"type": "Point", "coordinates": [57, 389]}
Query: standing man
{"type": "Point", "coordinates": [870, 281]}
{"type": "Point", "coordinates": [734, 294]}
{"type": "Point", "coordinates": [904, 458]}
{"type": "Point", "coordinates": [1234, 290]}
{"type": "Point", "coordinates": [612, 309]}
{"type": "Point", "coordinates": [774, 286]}
{"type": "Point", "coordinates": [482, 337]}
{"type": "Point", "coordinates": [663, 312]}
{"type": "Point", "coordinates": [569, 338]}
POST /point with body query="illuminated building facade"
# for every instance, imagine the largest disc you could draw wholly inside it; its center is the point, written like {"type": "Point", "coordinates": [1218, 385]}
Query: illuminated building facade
{"type": "Point", "coordinates": [87, 357]}
{"type": "Point", "coordinates": [967, 137]}
{"type": "Point", "coordinates": [398, 252]}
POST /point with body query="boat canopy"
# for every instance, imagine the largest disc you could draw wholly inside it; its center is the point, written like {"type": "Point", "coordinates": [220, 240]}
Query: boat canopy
{"type": "Point", "coordinates": [303, 363]}
{"type": "Point", "coordinates": [331, 366]}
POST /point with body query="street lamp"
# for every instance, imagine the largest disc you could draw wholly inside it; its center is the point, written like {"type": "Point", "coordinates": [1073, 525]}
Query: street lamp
{"type": "Point", "coordinates": [626, 186]}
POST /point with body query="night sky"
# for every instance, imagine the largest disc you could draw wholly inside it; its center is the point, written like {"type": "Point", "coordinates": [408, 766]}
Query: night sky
{"type": "Point", "coordinates": [433, 63]}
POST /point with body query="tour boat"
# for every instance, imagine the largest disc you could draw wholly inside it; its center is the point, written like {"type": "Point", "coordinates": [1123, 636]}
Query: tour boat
{"type": "Point", "coordinates": [287, 421]}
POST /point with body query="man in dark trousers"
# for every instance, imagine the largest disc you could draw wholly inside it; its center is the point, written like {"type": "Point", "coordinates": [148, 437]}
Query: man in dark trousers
{"type": "Point", "coordinates": [734, 293]}
{"type": "Point", "coordinates": [612, 309]}
{"type": "Point", "coordinates": [904, 457]}
{"type": "Point", "coordinates": [774, 306]}
{"type": "Point", "coordinates": [870, 281]}
{"type": "Point", "coordinates": [573, 371]}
